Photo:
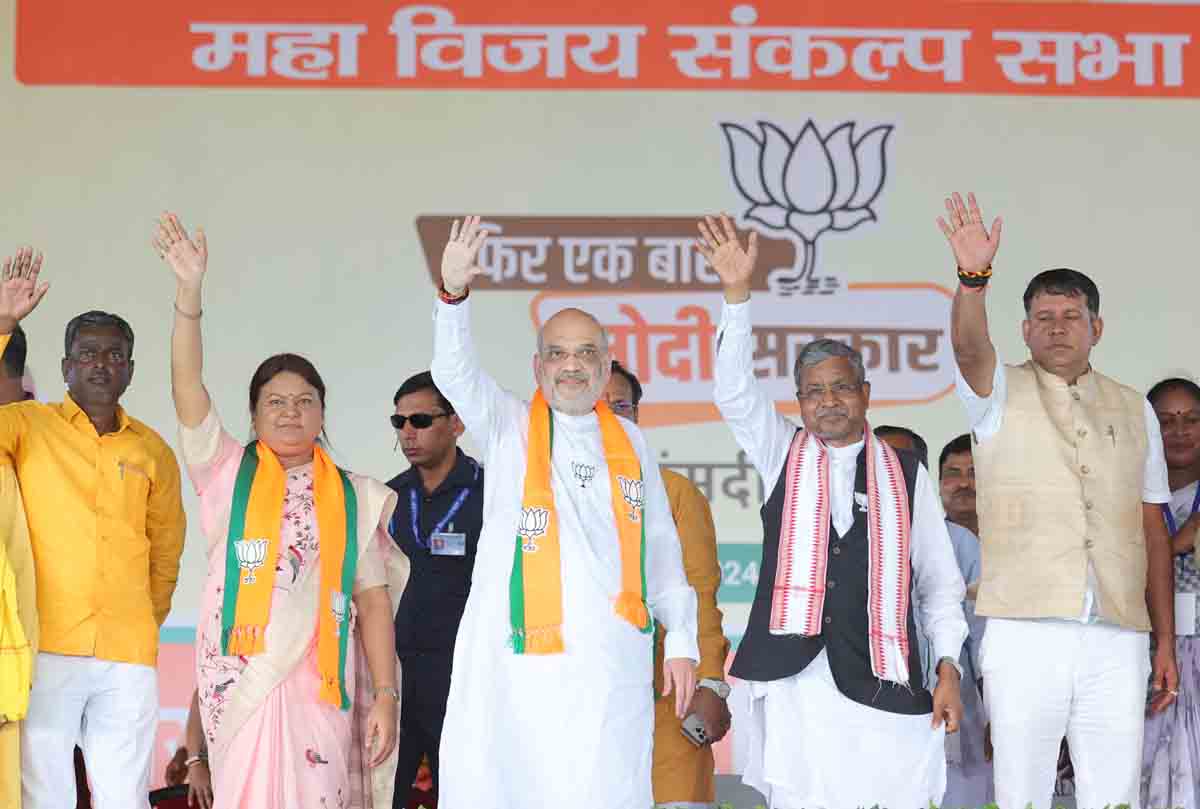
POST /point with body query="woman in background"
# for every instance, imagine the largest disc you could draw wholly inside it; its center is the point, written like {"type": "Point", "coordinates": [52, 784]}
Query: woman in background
{"type": "Point", "coordinates": [1171, 750]}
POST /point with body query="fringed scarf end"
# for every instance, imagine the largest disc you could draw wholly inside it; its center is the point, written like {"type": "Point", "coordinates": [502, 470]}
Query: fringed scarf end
{"type": "Point", "coordinates": [245, 640]}
{"type": "Point", "coordinates": [632, 608]}
{"type": "Point", "coordinates": [546, 640]}
{"type": "Point", "coordinates": [333, 694]}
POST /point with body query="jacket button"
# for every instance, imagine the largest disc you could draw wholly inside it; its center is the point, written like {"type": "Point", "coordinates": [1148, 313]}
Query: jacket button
{"type": "Point", "coordinates": [837, 550]}
{"type": "Point", "coordinates": [1082, 433]}
{"type": "Point", "coordinates": [1088, 505]}
{"type": "Point", "coordinates": [1083, 470]}
{"type": "Point", "coordinates": [1087, 543]}
{"type": "Point", "coordinates": [1075, 395]}
{"type": "Point", "coordinates": [831, 584]}
{"type": "Point", "coordinates": [828, 620]}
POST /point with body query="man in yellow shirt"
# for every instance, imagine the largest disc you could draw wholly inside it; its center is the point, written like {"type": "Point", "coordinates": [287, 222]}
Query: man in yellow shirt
{"type": "Point", "coordinates": [106, 522]}
{"type": "Point", "coordinates": [683, 771]}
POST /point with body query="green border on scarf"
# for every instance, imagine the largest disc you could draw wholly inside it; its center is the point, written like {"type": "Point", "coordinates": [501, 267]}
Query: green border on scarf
{"type": "Point", "coordinates": [516, 579]}
{"type": "Point", "coordinates": [349, 570]}
{"type": "Point", "coordinates": [649, 627]}
{"type": "Point", "coordinates": [237, 527]}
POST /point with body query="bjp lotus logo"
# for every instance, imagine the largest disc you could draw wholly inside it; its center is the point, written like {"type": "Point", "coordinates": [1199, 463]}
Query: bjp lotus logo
{"type": "Point", "coordinates": [634, 493]}
{"type": "Point", "coordinates": [806, 186]}
{"type": "Point", "coordinates": [534, 522]}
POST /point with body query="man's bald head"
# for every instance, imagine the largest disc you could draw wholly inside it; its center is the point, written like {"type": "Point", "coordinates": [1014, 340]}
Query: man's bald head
{"type": "Point", "coordinates": [572, 365]}
{"type": "Point", "coordinates": [571, 321]}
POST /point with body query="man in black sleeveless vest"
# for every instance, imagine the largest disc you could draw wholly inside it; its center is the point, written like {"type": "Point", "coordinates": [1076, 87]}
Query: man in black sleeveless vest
{"type": "Point", "coordinates": [832, 711]}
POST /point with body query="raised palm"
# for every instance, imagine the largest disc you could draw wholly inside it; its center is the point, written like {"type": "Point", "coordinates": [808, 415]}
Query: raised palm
{"type": "Point", "coordinates": [20, 292]}
{"type": "Point", "coordinates": [974, 248]}
{"type": "Point", "coordinates": [720, 247]}
{"type": "Point", "coordinates": [458, 259]}
{"type": "Point", "coordinates": [188, 258]}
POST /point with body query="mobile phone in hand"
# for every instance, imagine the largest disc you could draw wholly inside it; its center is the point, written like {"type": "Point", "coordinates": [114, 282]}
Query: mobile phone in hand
{"type": "Point", "coordinates": [693, 728]}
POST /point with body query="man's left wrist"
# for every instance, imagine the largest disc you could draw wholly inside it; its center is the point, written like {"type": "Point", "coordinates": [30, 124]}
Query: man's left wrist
{"type": "Point", "coordinates": [718, 687]}
{"type": "Point", "coordinates": [949, 662]}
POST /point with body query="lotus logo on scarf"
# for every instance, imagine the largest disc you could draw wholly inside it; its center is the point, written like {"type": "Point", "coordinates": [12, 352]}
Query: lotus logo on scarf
{"type": "Point", "coordinates": [251, 553]}
{"type": "Point", "coordinates": [337, 605]}
{"type": "Point", "coordinates": [632, 490]}
{"type": "Point", "coordinates": [533, 525]}
{"type": "Point", "coordinates": [806, 186]}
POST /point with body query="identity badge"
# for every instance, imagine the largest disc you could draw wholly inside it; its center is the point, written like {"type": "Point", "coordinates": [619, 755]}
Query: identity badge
{"type": "Point", "coordinates": [446, 544]}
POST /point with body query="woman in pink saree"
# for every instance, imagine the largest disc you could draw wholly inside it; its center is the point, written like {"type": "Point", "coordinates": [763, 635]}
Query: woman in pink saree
{"type": "Point", "coordinates": [295, 658]}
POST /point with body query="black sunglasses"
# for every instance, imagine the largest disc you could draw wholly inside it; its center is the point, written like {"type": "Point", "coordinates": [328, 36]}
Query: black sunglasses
{"type": "Point", "coordinates": [419, 420]}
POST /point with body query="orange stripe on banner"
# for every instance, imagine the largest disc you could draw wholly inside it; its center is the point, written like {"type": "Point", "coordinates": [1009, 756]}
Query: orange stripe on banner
{"type": "Point", "coordinates": [1022, 48]}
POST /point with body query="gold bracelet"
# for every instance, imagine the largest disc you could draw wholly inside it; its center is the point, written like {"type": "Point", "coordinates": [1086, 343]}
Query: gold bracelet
{"type": "Point", "coordinates": [189, 315]}
{"type": "Point", "coordinates": [395, 694]}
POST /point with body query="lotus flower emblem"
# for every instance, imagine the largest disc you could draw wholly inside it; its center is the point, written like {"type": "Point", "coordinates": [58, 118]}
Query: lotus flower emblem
{"type": "Point", "coordinates": [807, 185]}
{"type": "Point", "coordinates": [634, 493]}
{"type": "Point", "coordinates": [534, 522]}
{"type": "Point", "coordinates": [337, 606]}
{"type": "Point", "coordinates": [251, 553]}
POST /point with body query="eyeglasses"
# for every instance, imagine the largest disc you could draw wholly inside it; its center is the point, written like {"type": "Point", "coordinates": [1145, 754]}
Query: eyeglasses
{"type": "Point", "coordinates": [622, 408]}
{"type": "Point", "coordinates": [420, 421]}
{"type": "Point", "coordinates": [842, 390]}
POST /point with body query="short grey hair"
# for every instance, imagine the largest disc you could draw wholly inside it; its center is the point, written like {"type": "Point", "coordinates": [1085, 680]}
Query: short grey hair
{"type": "Point", "coordinates": [605, 341]}
{"type": "Point", "coordinates": [818, 351]}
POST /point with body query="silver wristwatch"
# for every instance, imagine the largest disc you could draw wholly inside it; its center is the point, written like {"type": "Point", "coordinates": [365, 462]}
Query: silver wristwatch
{"type": "Point", "coordinates": [718, 687]}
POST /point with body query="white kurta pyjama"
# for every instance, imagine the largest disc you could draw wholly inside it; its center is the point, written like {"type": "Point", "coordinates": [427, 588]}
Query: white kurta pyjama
{"type": "Point", "coordinates": [799, 740]}
{"type": "Point", "coordinates": [566, 730]}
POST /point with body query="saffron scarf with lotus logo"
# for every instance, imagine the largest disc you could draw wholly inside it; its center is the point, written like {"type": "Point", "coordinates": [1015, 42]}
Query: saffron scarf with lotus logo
{"type": "Point", "coordinates": [535, 585]}
{"type": "Point", "coordinates": [252, 552]}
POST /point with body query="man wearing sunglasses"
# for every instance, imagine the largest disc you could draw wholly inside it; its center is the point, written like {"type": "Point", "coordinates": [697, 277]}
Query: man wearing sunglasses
{"type": "Point", "coordinates": [436, 524]}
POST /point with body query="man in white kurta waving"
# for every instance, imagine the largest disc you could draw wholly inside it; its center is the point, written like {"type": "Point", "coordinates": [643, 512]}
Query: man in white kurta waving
{"type": "Point", "coordinates": [831, 710]}
{"type": "Point", "coordinates": [551, 701]}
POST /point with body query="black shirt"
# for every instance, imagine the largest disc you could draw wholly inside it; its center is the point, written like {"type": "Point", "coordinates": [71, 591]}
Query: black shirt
{"type": "Point", "coordinates": [433, 601]}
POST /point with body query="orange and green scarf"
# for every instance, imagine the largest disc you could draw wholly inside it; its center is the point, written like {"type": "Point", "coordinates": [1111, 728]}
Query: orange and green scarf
{"type": "Point", "coordinates": [252, 552]}
{"type": "Point", "coordinates": [535, 585]}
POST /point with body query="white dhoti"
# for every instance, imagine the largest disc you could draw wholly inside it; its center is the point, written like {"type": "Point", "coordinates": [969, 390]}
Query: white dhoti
{"type": "Point", "coordinates": [804, 745]}
{"type": "Point", "coordinates": [1043, 680]}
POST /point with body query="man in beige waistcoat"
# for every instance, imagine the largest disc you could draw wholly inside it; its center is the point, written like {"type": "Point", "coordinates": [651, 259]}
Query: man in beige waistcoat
{"type": "Point", "coordinates": [1076, 559]}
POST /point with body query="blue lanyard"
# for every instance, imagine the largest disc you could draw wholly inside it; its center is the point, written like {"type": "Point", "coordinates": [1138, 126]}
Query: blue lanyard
{"type": "Point", "coordinates": [1166, 509]}
{"type": "Point", "coordinates": [414, 510]}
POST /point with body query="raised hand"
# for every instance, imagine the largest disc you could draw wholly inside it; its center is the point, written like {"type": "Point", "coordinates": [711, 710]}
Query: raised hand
{"type": "Point", "coordinates": [720, 246]}
{"type": "Point", "coordinates": [458, 259]}
{"type": "Point", "coordinates": [20, 292]}
{"type": "Point", "coordinates": [974, 248]}
{"type": "Point", "coordinates": [188, 258]}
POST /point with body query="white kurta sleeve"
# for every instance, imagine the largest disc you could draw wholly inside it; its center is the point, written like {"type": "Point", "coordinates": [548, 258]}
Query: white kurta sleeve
{"type": "Point", "coordinates": [1155, 488]}
{"type": "Point", "coordinates": [671, 599]}
{"type": "Point", "coordinates": [985, 414]}
{"type": "Point", "coordinates": [485, 408]}
{"type": "Point", "coordinates": [757, 426]}
{"type": "Point", "coordinates": [939, 584]}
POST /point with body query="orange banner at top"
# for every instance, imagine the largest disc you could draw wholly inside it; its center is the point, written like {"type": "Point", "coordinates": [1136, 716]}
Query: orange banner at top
{"type": "Point", "coordinates": [881, 46]}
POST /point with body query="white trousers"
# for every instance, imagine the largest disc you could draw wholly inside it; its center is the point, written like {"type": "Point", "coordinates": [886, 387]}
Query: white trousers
{"type": "Point", "coordinates": [110, 710]}
{"type": "Point", "coordinates": [1043, 680]}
